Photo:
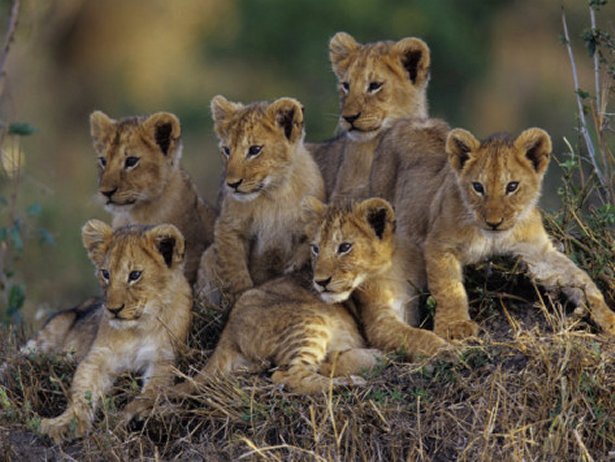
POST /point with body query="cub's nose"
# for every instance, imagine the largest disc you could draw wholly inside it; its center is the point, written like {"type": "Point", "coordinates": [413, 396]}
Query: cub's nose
{"type": "Point", "coordinates": [108, 193]}
{"type": "Point", "coordinates": [323, 282]}
{"type": "Point", "coordinates": [352, 118]}
{"type": "Point", "coordinates": [494, 224]}
{"type": "Point", "coordinates": [115, 311]}
{"type": "Point", "coordinates": [235, 184]}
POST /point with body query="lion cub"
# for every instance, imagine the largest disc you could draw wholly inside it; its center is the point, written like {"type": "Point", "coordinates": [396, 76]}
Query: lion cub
{"type": "Point", "coordinates": [477, 200]}
{"type": "Point", "coordinates": [379, 83]}
{"type": "Point", "coordinates": [260, 232]}
{"type": "Point", "coordinates": [308, 332]}
{"type": "Point", "coordinates": [146, 319]}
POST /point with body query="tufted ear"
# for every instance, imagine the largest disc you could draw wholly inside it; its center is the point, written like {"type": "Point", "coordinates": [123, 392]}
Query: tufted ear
{"type": "Point", "coordinates": [164, 128]}
{"type": "Point", "coordinates": [341, 47]}
{"type": "Point", "coordinates": [535, 145]}
{"type": "Point", "coordinates": [379, 215]}
{"type": "Point", "coordinates": [222, 108]}
{"type": "Point", "coordinates": [288, 115]}
{"type": "Point", "coordinates": [102, 128]}
{"type": "Point", "coordinates": [96, 236]}
{"type": "Point", "coordinates": [460, 144]}
{"type": "Point", "coordinates": [169, 242]}
{"type": "Point", "coordinates": [415, 57]}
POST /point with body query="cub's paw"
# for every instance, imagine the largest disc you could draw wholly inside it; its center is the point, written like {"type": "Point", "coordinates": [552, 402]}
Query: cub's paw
{"type": "Point", "coordinates": [66, 426]}
{"type": "Point", "coordinates": [428, 343]}
{"type": "Point", "coordinates": [457, 330]}
{"type": "Point", "coordinates": [350, 381]}
{"type": "Point", "coordinates": [136, 412]}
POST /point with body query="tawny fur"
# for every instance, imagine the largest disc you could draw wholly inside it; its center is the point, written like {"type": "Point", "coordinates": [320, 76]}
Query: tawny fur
{"type": "Point", "coordinates": [145, 322]}
{"type": "Point", "coordinates": [310, 333]}
{"type": "Point", "coordinates": [260, 233]}
{"type": "Point", "coordinates": [378, 84]}
{"type": "Point", "coordinates": [438, 179]}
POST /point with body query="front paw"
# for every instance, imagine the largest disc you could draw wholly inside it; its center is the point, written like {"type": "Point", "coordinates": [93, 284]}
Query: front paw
{"type": "Point", "coordinates": [137, 410]}
{"type": "Point", "coordinates": [429, 343]}
{"type": "Point", "coordinates": [457, 330]}
{"type": "Point", "coordinates": [65, 426]}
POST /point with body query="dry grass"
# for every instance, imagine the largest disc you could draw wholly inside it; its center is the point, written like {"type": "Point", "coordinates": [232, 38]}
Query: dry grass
{"type": "Point", "coordinates": [537, 385]}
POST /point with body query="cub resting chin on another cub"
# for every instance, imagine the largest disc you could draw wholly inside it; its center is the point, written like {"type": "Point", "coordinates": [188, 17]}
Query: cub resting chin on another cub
{"type": "Point", "coordinates": [146, 319]}
{"type": "Point", "coordinates": [260, 233]}
{"type": "Point", "coordinates": [467, 200]}
{"type": "Point", "coordinates": [308, 332]}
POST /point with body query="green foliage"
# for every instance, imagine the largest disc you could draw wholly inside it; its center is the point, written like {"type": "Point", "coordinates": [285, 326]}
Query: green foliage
{"type": "Point", "coordinates": [21, 129]}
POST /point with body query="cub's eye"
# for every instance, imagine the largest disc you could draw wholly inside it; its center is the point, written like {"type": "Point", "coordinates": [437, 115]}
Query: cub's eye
{"type": "Point", "coordinates": [102, 161]}
{"type": "Point", "coordinates": [134, 275]}
{"type": "Point", "coordinates": [131, 161]}
{"type": "Point", "coordinates": [226, 151]}
{"type": "Point", "coordinates": [314, 248]}
{"type": "Point", "coordinates": [344, 248]}
{"type": "Point", "coordinates": [512, 187]}
{"type": "Point", "coordinates": [478, 188]}
{"type": "Point", "coordinates": [345, 87]}
{"type": "Point", "coordinates": [374, 87]}
{"type": "Point", "coordinates": [255, 150]}
{"type": "Point", "coordinates": [105, 274]}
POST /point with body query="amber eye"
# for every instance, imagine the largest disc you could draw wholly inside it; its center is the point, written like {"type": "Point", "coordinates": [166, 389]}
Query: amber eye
{"type": "Point", "coordinates": [314, 248]}
{"type": "Point", "coordinates": [345, 86]}
{"type": "Point", "coordinates": [512, 187]}
{"type": "Point", "coordinates": [105, 274]}
{"type": "Point", "coordinates": [374, 86]}
{"type": "Point", "coordinates": [255, 150]}
{"type": "Point", "coordinates": [344, 248]}
{"type": "Point", "coordinates": [102, 161]}
{"type": "Point", "coordinates": [478, 188]}
{"type": "Point", "coordinates": [131, 161]}
{"type": "Point", "coordinates": [226, 151]}
{"type": "Point", "coordinates": [134, 276]}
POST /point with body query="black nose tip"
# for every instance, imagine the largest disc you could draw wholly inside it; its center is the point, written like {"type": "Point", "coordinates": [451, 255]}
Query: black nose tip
{"type": "Point", "coordinates": [494, 225]}
{"type": "Point", "coordinates": [109, 192]}
{"type": "Point", "coordinates": [351, 118]}
{"type": "Point", "coordinates": [115, 311]}
{"type": "Point", "coordinates": [323, 282]}
{"type": "Point", "coordinates": [234, 185]}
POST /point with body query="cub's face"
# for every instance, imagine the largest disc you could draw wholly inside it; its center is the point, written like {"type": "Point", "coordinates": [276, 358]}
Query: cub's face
{"type": "Point", "coordinates": [351, 244]}
{"type": "Point", "coordinates": [136, 157]}
{"type": "Point", "coordinates": [379, 82]}
{"type": "Point", "coordinates": [258, 143]}
{"type": "Point", "coordinates": [499, 178]}
{"type": "Point", "coordinates": [135, 266]}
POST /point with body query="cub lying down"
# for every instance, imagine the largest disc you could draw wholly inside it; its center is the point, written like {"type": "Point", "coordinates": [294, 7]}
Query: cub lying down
{"type": "Point", "coordinates": [312, 335]}
{"type": "Point", "coordinates": [147, 318]}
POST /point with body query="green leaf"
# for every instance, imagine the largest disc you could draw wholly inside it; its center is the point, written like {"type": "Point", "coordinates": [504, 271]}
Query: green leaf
{"type": "Point", "coordinates": [34, 209]}
{"type": "Point", "coordinates": [46, 237]}
{"type": "Point", "coordinates": [15, 235]}
{"type": "Point", "coordinates": [17, 296]}
{"type": "Point", "coordinates": [21, 129]}
{"type": "Point", "coordinates": [582, 93]}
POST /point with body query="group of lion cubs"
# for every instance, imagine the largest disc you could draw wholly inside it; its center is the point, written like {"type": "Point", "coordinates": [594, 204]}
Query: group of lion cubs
{"type": "Point", "coordinates": [317, 290]}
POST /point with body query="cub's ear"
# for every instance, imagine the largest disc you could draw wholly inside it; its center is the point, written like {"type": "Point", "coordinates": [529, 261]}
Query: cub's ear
{"type": "Point", "coordinates": [222, 108]}
{"type": "Point", "coordinates": [169, 242]}
{"type": "Point", "coordinates": [460, 144]}
{"type": "Point", "coordinates": [102, 128]}
{"type": "Point", "coordinates": [288, 115]}
{"type": "Point", "coordinates": [535, 145]}
{"type": "Point", "coordinates": [341, 47]}
{"type": "Point", "coordinates": [96, 236]}
{"type": "Point", "coordinates": [165, 130]}
{"type": "Point", "coordinates": [415, 58]}
{"type": "Point", "coordinates": [379, 215]}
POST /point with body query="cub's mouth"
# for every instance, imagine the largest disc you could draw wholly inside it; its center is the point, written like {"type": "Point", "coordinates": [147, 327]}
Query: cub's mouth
{"type": "Point", "coordinates": [121, 203]}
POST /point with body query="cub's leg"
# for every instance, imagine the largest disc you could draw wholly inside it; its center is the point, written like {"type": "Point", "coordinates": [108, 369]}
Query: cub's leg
{"type": "Point", "coordinates": [354, 173]}
{"type": "Point", "coordinates": [445, 281]}
{"type": "Point", "coordinates": [350, 362]}
{"type": "Point", "coordinates": [410, 258]}
{"type": "Point", "coordinates": [92, 380]}
{"type": "Point", "coordinates": [158, 378]}
{"type": "Point", "coordinates": [554, 269]}
{"type": "Point", "coordinates": [206, 287]}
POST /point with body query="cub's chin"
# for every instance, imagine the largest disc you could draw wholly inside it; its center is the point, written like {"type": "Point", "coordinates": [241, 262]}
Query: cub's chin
{"type": "Point", "coordinates": [334, 297]}
{"type": "Point", "coordinates": [360, 135]}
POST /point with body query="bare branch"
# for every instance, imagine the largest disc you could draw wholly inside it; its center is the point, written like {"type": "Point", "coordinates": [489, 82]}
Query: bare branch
{"type": "Point", "coordinates": [592, 16]}
{"type": "Point", "coordinates": [584, 132]}
{"type": "Point", "coordinates": [8, 39]}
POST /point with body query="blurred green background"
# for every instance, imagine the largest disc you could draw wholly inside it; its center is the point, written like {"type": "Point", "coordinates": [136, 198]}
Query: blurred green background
{"type": "Point", "coordinates": [497, 66]}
